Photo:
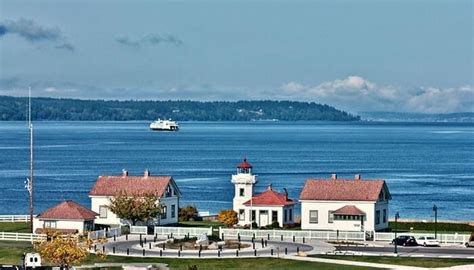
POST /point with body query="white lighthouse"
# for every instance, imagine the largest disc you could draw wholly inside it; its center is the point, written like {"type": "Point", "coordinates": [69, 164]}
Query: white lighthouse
{"type": "Point", "coordinates": [263, 209]}
{"type": "Point", "coordinates": [243, 181]}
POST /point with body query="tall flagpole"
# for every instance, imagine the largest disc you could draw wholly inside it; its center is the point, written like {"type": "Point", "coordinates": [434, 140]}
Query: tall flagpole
{"type": "Point", "coordinates": [29, 184]}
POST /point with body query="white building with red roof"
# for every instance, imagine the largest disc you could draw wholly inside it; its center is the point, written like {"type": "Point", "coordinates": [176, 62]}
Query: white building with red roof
{"type": "Point", "coordinates": [163, 187]}
{"type": "Point", "coordinates": [344, 204]}
{"type": "Point", "coordinates": [263, 208]}
{"type": "Point", "coordinates": [65, 217]}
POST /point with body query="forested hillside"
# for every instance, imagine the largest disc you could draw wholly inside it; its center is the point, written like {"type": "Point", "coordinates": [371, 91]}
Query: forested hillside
{"type": "Point", "coordinates": [14, 108]}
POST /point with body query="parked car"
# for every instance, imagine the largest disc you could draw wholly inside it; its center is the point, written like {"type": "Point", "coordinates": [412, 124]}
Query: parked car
{"type": "Point", "coordinates": [470, 242]}
{"type": "Point", "coordinates": [405, 240]}
{"type": "Point", "coordinates": [428, 241]}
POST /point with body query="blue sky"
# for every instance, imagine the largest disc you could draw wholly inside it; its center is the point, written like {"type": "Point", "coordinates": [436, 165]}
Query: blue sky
{"type": "Point", "coordinates": [413, 56]}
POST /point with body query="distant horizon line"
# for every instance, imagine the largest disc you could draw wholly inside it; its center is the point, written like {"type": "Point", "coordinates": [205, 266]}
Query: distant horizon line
{"type": "Point", "coordinates": [234, 101]}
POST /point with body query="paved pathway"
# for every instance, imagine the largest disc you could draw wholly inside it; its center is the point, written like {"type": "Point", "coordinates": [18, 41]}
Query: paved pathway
{"type": "Point", "coordinates": [278, 247]}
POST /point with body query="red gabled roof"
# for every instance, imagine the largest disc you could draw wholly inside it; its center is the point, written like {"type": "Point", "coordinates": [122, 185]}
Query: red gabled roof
{"type": "Point", "coordinates": [131, 185]}
{"type": "Point", "coordinates": [342, 190]}
{"type": "Point", "coordinates": [244, 165]}
{"type": "Point", "coordinates": [349, 210]}
{"type": "Point", "coordinates": [68, 210]}
{"type": "Point", "coordinates": [270, 197]}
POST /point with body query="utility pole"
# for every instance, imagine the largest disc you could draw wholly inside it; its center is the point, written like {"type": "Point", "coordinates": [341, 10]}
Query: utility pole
{"type": "Point", "coordinates": [29, 182]}
{"type": "Point", "coordinates": [435, 209]}
{"type": "Point", "coordinates": [397, 216]}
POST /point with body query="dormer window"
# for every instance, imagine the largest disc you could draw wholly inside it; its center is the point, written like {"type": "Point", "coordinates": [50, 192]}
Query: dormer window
{"type": "Point", "coordinates": [169, 191]}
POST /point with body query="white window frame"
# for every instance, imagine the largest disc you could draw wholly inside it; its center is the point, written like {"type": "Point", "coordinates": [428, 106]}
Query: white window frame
{"type": "Point", "coordinates": [103, 208]}
{"type": "Point", "coordinates": [50, 224]}
{"type": "Point", "coordinates": [241, 214]}
{"type": "Point", "coordinates": [311, 218]}
{"type": "Point", "coordinates": [173, 211]}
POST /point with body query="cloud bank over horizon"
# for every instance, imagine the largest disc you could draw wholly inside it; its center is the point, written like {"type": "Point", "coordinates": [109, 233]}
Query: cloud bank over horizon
{"type": "Point", "coordinates": [353, 94]}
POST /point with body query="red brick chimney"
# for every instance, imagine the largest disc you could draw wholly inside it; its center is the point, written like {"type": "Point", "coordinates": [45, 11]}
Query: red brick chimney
{"type": "Point", "coordinates": [147, 173]}
{"type": "Point", "coordinates": [334, 176]}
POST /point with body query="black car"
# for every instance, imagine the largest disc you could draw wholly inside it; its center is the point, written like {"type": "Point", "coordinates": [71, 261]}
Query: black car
{"type": "Point", "coordinates": [405, 240]}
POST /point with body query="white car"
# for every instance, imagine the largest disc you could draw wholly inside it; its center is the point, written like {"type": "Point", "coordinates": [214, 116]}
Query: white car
{"type": "Point", "coordinates": [428, 241]}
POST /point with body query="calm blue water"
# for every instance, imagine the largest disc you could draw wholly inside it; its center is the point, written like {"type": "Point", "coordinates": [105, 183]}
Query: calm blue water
{"type": "Point", "coordinates": [422, 163]}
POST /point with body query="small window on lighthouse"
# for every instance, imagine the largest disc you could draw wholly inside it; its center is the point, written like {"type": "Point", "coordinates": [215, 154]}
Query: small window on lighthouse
{"type": "Point", "coordinates": [242, 192]}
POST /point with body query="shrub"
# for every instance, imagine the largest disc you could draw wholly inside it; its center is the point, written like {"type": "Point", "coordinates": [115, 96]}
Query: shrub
{"type": "Point", "coordinates": [187, 213]}
{"type": "Point", "coordinates": [228, 217]}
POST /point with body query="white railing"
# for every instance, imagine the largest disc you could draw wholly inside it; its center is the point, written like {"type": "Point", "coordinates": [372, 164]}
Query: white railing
{"type": "Point", "coordinates": [183, 231]}
{"type": "Point", "coordinates": [105, 233]}
{"type": "Point", "coordinates": [454, 238]}
{"type": "Point", "coordinates": [289, 234]}
{"type": "Point", "coordinates": [138, 229]}
{"type": "Point", "coordinates": [28, 237]}
{"type": "Point", "coordinates": [14, 218]}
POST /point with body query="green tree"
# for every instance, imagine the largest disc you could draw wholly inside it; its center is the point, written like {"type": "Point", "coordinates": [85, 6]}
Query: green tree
{"type": "Point", "coordinates": [188, 212]}
{"type": "Point", "coordinates": [138, 207]}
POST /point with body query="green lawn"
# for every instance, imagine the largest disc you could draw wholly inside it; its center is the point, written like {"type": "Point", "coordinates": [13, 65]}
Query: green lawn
{"type": "Point", "coordinates": [21, 227]}
{"type": "Point", "coordinates": [237, 264]}
{"type": "Point", "coordinates": [9, 255]}
{"type": "Point", "coordinates": [430, 227]}
{"type": "Point", "coordinates": [419, 262]}
{"type": "Point", "coordinates": [204, 223]}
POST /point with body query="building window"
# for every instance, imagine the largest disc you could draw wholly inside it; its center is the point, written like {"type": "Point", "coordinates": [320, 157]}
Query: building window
{"type": "Point", "coordinates": [88, 225]}
{"type": "Point", "coordinates": [241, 214]}
{"type": "Point", "coordinates": [384, 215]}
{"type": "Point", "coordinates": [169, 191]}
{"type": "Point", "coordinates": [377, 217]}
{"type": "Point", "coordinates": [330, 217]}
{"type": "Point", "coordinates": [49, 224]}
{"type": "Point", "coordinates": [290, 214]}
{"type": "Point", "coordinates": [253, 216]}
{"type": "Point", "coordinates": [241, 192]}
{"type": "Point", "coordinates": [164, 212]}
{"type": "Point", "coordinates": [313, 216]}
{"type": "Point", "coordinates": [103, 211]}
{"type": "Point", "coordinates": [173, 211]}
{"type": "Point", "coordinates": [274, 216]}
{"type": "Point", "coordinates": [285, 216]}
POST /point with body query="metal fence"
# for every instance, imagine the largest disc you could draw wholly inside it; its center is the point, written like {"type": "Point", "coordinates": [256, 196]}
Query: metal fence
{"type": "Point", "coordinates": [288, 234]}
{"type": "Point", "coordinates": [105, 233]}
{"type": "Point", "coordinates": [454, 238]}
{"type": "Point", "coordinates": [26, 237]}
{"type": "Point", "coordinates": [14, 218]}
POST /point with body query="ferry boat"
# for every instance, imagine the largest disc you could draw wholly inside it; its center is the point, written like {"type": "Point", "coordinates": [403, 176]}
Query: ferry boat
{"type": "Point", "coordinates": [164, 125]}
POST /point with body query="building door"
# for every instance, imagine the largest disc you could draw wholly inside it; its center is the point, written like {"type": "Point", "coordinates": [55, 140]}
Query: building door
{"type": "Point", "coordinates": [263, 218]}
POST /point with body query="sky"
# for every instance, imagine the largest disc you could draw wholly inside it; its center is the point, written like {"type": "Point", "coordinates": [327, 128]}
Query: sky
{"type": "Point", "coordinates": [400, 56]}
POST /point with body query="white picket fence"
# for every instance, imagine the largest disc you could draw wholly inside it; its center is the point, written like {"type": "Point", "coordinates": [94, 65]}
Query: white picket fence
{"type": "Point", "coordinates": [14, 218]}
{"type": "Point", "coordinates": [111, 232]}
{"type": "Point", "coordinates": [183, 231]}
{"type": "Point", "coordinates": [26, 237]}
{"type": "Point", "coordinates": [176, 231]}
{"type": "Point", "coordinates": [289, 234]}
{"type": "Point", "coordinates": [454, 238]}
{"type": "Point", "coordinates": [138, 229]}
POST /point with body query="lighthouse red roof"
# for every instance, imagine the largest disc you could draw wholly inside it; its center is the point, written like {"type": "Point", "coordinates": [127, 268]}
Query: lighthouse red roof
{"type": "Point", "coordinates": [244, 165]}
{"type": "Point", "coordinates": [270, 197]}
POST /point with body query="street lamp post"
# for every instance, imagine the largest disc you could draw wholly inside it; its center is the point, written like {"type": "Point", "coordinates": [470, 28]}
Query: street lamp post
{"type": "Point", "coordinates": [435, 209]}
{"type": "Point", "coordinates": [397, 216]}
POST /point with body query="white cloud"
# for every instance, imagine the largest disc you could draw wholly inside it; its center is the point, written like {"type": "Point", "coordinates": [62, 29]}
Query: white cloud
{"type": "Point", "coordinates": [356, 94]}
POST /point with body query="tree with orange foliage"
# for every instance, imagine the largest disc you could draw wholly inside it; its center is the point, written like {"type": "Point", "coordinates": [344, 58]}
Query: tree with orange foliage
{"type": "Point", "coordinates": [228, 217]}
{"type": "Point", "coordinates": [62, 250]}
